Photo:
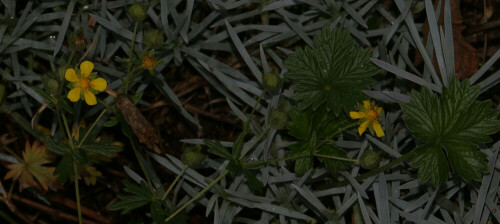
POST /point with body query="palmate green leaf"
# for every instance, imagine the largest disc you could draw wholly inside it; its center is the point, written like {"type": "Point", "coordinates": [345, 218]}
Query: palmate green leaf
{"type": "Point", "coordinates": [332, 74]}
{"type": "Point", "coordinates": [64, 168]}
{"type": "Point", "coordinates": [103, 148]}
{"type": "Point", "coordinates": [455, 123]}
{"type": "Point", "coordinates": [333, 166]}
{"type": "Point", "coordinates": [466, 160]}
{"type": "Point", "coordinates": [141, 196]}
{"type": "Point", "coordinates": [312, 126]}
{"type": "Point", "coordinates": [217, 149]}
{"type": "Point", "coordinates": [304, 123]}
{"type": "Point", "coordinates": [431, 163]}
{"type": "Point", "coordinates": [302, 165]}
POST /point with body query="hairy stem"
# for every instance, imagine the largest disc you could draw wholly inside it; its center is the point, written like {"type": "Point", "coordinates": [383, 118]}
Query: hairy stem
{"type": "Point", "coordinates": [77, 192]}
{"type": "Point", "coordinates": [91, 127]}
{"type": "Point", "coordinates": [127, 81]}
{"type": "Point", "coordinates": [198, 195]}
{"type": "Point", "coordinates": [175, 181]}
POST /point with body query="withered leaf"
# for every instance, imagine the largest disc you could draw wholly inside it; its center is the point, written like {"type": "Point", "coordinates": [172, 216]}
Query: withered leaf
{"type": "Point", "coordinates": [139, 125]}
{"type": "Point", "coordinates": [31, 168]}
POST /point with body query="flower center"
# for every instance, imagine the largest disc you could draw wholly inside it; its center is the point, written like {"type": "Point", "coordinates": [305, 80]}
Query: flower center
{"type": "Point", "coordinates": [371, 115]}
{"type": "Point", "coordinates": [84, 83]}
{"type": "Point", "coordinates": [148, 62]}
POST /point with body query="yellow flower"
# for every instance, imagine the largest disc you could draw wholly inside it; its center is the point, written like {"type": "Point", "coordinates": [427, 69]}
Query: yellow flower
{"type": "Point", "coordinates": [83, 83]}
{"type": "Point", "coordinates": [149, 62]}
{"type": "Point", "coordinates": [370, 117]}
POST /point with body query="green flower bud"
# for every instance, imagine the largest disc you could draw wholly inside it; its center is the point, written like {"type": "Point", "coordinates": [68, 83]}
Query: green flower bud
{"type": "Point", "coordinates": [192, 156]}
{"type": "Point", "coordinates": [278, 119]}
{"type": "Point", "coordinates": [52, 86]}
{"type": "Point", "coordinates": [154, 38]}
{"type": "Point", "coordinates": [369, 159]}
{"type": "Point", "coordinates": [138, 11]}
{"type": "Point", "coordinates": [271, 80]}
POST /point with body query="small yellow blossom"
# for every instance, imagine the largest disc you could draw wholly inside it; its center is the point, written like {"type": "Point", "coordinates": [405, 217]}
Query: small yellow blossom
{"type": "Point", "coordinates": [149, 62]}
{"type": "Point", "coordinates": [370, 117]}
{"type": "Point", "coordinates": [83, 83]}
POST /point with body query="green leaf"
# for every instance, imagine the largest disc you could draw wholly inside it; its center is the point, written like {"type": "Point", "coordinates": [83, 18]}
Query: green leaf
{"type": "Point", "coordinates": [103, 148]}
{"type": "Point", "coordinates": [140, 196]}
{"type": "Point", "coordinates": [64, 168]}
{"type": "Point", "coordinates": [333, 74]}
{"type": "Point", "coordinates": [252, 180]}
{"type": "Point", "coordinates": [455, 122]}
{"type": "Point", "coordinates": [58, 148]}
{"type": "Point", "coordinates": [466, 160]}
{"type": "Point", "coordinates": [216, 148]}
{"type": "Point", "coordinates": [302, 165]}
{"type": "Point", "coordinates": [332, 165]}
{"type": "Point", "coordinates": [238, 145]}
{"type": "Point", "coordinates": [431, 163]}
{"type": "Point", "coordinates": [234, 167]}
{"type": "Point", "coordinates": [304, 123]}
{"type": "Point", "coordinates": [158, 214]}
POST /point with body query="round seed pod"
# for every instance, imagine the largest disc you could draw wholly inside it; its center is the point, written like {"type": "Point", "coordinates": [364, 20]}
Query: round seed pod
{"type": "Point", "coordinates": [193, 156]}
{"type": "Point", "coordinates": [52, 85]}
{"type": "Point", "coordinates": [137, 11]}
{"type": "Point", "coordinates": [270, 80]}
{"type": "Point", "coordinates": [369, 159]}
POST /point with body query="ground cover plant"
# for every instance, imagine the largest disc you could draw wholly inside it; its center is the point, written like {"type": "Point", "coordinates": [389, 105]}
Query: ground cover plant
{"type": "Point", "coordinates": [249, 111]}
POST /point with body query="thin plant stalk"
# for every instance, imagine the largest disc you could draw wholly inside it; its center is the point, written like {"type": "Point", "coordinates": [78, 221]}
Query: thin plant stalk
{"type": "Point", "coordinates": [77, 192]}
{"type": "Point", "coordinates": [177, 178]}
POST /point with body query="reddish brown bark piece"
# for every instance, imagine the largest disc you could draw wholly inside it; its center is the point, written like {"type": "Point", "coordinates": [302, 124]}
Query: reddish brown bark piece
{"type": "Point", "coordinates": [466, 61]}
{"type": "Point", "coordinates": [139, 125]}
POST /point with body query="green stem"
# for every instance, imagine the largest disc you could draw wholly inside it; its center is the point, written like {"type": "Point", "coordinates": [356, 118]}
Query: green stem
{"type": "Point", "coordinates": [75, 168]}
{"type": "Point", "coordinates": [66, 127]}
{"type": "Point", "coordinates": [11, 188]}
{"type": "Point", "coordinates": [274, 160]}
{"type": "Point", "coordinates": [130, 57]}
{"type": "Point", "coordinates": [141, 164]}
{"type": "Point", "coordinates": [70, 58]}
{"type": "Point", "coordinates": [175, 181]}
{"type": "Point", "coordinates": [386, 167]}
{"type": "Point", "coordinates": [264, 16]}
{"type": "Point", "coordinates": [335, 158]}
{"type": "Point", "coordinates": [257, 103]}
{"type": "Point", "coordinates": [77, 191]}
{"type": "Point", "coordinates": [216, 180]}
{"type": "Point", "coordinates": [91, 127]}
{"type": "Point", "coordinates": [329, 138]}
{"type": "Point", "coordinates": [197, 195]}
{"type": "Point", "coordinates": [297, 157]}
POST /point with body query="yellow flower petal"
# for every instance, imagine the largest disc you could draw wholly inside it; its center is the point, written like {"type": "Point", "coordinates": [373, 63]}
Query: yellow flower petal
{"type": "Point", "coordinates": [70, 75]}
{"type": "Point", "coordinates": [74, 94]}
{"type": "Point", "coordinates": [98, 84]}
{"type": "Point", "coordinates": [356, 115]}
{"type": "Point", "coordinates": [366, 104]}
{"type": "Point", "coordinates": [86, 68]}
{"type": "Point", "coordinates": [362, 127]}
{"type": "Point", "coordinates": [379, 110]}
{"type": "Point", "coordinates": [90, 98]}
{"type": "Point", "coordinates": [378, 129]}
